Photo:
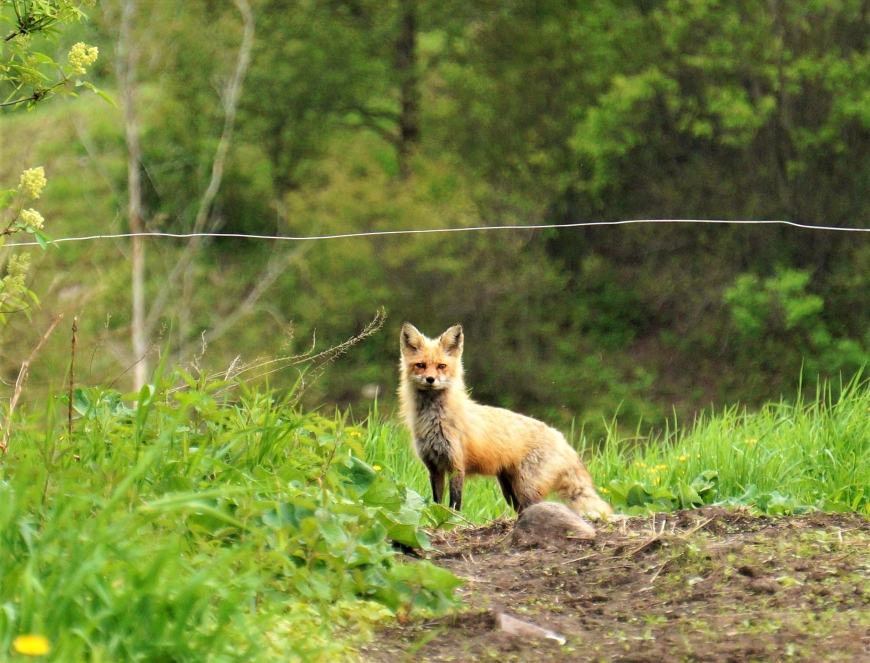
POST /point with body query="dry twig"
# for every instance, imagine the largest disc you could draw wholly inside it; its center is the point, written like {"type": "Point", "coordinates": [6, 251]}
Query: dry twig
{"type": "Point", "coordinates": [72, 374]}
{"type": "Point", "coordinates": [700, 525]}
{"type": "Point", "coordinates": [19, 386]}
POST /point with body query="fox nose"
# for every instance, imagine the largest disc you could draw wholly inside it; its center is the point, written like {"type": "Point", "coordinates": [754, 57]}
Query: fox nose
{"type": "Point", "coordinates": [430, 380]}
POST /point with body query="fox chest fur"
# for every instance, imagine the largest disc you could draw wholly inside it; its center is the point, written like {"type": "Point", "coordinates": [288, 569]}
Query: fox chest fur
{"type": "Point", "coordinates": [436, 435]}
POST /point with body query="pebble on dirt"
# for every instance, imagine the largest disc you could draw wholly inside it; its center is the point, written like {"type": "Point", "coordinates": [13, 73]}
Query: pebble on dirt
{"type": "Point", "coordinates": [550, 525]}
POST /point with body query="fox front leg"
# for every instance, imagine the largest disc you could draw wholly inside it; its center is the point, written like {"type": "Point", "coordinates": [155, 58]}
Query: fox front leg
{"type": "Point", "coordinates": [436, 479]}
{"type": "Point", "coordinates": [456, 483]}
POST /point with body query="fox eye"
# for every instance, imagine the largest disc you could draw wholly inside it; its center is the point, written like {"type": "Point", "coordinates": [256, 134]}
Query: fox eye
{"type": "Point", "coordinates": [420, 365]}
{"type": "Point", "coordinates": [441, 367]}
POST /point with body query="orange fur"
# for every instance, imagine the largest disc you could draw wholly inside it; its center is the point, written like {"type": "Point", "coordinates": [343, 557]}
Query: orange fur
{"type": "Point", "coordinates": [456, 436]}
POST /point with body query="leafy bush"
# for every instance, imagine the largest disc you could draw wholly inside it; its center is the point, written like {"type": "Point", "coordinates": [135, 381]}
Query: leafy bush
{"type": "Point", "coordinates": [192, 527]}
{"type": "Point", "coordinates": [778, 323]}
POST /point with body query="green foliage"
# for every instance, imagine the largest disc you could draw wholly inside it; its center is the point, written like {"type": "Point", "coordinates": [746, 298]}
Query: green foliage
{"type": "Point", "coordinates": [778, 321]}
{"type": "Point", "coordinates": [333, 68]}
{"type": "Point", "coordinates": [15, 297]}
{"type": "Point", "coordinates": [785, 458]}
{"type": "Point", "coordinates": [528, 112]}
{"type": "Point", "coordinates": [28, 75]}
{"type": "Point", "coordinates": [780, 301]}
{"type": "Point", "coordinates": [501, 280]}
{"type": "Point", "coordinates": [635, 498]}
{"type": "Point", "coordinates": [789, 457]}
{"type": "Point", "coordinates": [189, 526]}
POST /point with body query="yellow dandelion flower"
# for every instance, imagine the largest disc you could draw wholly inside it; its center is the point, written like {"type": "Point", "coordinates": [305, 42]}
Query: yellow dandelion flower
{"type": "Point", "coordinates": [31, 645]}
{"type": "Point", "coordinates": [376, 468]}
{"type": "Point", "coordinates": [682, 459]}
{"type": "Point", "coordinates": [752, 441]}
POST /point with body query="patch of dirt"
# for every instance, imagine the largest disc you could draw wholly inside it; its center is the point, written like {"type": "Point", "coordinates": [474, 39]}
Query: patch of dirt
{"type": "Point", "coordinates": [706, 585]}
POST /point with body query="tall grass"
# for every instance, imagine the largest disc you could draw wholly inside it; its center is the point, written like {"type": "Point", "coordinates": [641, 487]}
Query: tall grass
{"type": "Point", "coordinates": [788, 456]}
{"type": "Point", "coordinates": [194, 527]}
{"type": "Point", "coordinates": [184, 525]}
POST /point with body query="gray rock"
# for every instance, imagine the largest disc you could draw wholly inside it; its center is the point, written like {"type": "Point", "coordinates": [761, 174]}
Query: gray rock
{"type": "Point", "coordinates": [517, 627]}
{"type": "Point", "coordinates": [549, 525]}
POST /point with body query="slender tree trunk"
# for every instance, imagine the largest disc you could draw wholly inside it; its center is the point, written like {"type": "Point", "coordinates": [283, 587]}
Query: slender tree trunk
{"type": "Point", "coordinates": [127, 64]}
{"type": "Point", "coordinates": [230, 103]}
{"type": "Point", "coordinates": [409, 89]}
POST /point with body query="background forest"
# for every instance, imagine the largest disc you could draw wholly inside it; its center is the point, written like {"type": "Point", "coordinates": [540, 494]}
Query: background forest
{"type": "Point", "coordinates": [335, 116]}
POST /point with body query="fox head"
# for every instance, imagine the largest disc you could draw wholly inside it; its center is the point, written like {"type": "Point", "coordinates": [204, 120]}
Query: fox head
{"type": "Point", "coordinates": [431, 364]}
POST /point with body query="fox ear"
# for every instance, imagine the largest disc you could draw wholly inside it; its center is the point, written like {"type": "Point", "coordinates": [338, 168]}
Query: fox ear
{"type": "Point", "coordinates": [410, 340]}
{"type": "Point", "coordinates": [451, 341]}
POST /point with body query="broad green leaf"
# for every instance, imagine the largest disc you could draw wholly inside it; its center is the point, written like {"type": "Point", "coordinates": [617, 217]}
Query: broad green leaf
{"type": "Point", "coordinates": [638, 496]}
{"type": "Point", "coordinates": [382, 493]}
{"type": "Point", "coordinates": [359, 474]}
{"type": "Point", "coordinates": [688, 496]}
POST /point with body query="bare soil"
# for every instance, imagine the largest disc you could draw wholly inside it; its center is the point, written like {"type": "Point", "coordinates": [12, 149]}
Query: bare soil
{"type": "Point", "coordinates": [706, 585]}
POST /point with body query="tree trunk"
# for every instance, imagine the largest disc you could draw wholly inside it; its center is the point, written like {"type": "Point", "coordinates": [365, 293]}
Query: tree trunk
{"type": "Point", "coordinates": [126, 64]}
{"type": "Point", "coordinates": [409, 90]}
{"type": "Point", "coordinates": [230, 103]}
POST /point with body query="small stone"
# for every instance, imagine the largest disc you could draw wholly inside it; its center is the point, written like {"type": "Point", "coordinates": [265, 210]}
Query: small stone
{"type": "Point", "coordinates": [517, 627]}
{"type": "Point", "coordinates": [549, 525]}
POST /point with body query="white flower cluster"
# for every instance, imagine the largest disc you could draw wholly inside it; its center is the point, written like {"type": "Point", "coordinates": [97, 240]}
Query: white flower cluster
{"type": "Point", "coordinates": [32, 182]}
{"type": "Point", "coordinates": [16, 271]}
{"type": "Point", "coordinates": [81, 55]}
{"type": "Point", "coordinates": [32, 218]}
{"type": "Point", "coordinates": [30, 75]}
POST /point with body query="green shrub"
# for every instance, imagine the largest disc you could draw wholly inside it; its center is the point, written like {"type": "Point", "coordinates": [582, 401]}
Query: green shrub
{"type": "Point", "coordinates": [181, 525]}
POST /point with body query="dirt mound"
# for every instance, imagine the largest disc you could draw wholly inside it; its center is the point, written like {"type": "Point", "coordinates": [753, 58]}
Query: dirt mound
{"type": "Point", "coordinates": [706, 585]}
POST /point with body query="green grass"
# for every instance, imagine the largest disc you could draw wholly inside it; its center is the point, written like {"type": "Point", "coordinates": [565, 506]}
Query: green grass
{"type": "Point", "coordinates": [182, 525]}
{"type": "Point", "coordinates": [784, 458]}
{"type": "Point", "coordinates": [202, 521]}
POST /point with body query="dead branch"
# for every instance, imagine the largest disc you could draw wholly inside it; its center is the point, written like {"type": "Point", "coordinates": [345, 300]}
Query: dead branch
{"type": "Point", "coordinates": [140, 359]}
{"type": "Point", "coordinates": [72, 375]}
{"type": "Point", "coordinates": [700, 525]}
{"type": "Point", "coordinates": [19, 386]}
{"type": "Point", "coordinates": [277, 265]}
{"type": "Point", "coordinates": [230, 103]}
{"type": "Point", "coordinates": [260, 368]}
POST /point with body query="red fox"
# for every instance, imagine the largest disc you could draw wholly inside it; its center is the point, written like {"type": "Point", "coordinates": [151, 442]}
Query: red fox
{"type": "Point", "coordinates": [453, 434]}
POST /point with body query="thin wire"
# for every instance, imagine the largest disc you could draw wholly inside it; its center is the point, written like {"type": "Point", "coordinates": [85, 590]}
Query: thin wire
{"type": "Point", "coordinates": [422, 231]}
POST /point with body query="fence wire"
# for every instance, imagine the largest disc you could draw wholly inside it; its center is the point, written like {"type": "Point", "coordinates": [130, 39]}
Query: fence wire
{"type": "Point", "coordinates": [423, 231]}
